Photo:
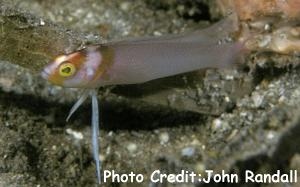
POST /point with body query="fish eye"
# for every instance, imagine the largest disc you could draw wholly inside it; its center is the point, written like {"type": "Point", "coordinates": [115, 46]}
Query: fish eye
{"type": "Point", "coordinates": [67, 69]}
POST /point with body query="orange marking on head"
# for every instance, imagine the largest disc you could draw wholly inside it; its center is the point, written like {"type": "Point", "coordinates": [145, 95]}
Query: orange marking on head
{"type": "Point", "coordinates": [76, 58]}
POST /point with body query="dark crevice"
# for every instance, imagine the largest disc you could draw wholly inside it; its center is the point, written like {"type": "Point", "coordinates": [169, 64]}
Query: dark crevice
{"type": "Point", "coordinates": [113, 116]}
{"type": "Point", "coordinates": [271, 69]}
{"type": "Point", "coordinates": [196, 10]}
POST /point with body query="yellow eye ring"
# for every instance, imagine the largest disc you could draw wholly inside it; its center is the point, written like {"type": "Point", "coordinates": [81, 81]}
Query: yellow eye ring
{"type": "Point", "coordinates": [67, 69]}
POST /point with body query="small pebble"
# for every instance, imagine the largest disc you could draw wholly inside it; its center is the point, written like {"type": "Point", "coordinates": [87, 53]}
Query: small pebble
{"type": "Point", "coordinates": [125, 6]}
{"type": "Point", "coordinates": [42, 22]}
{"type": "Point", "coordinates": [257, 99]}
{"type": "Point", "coordinates": [219, 125]}
{"type": "Point", "coordinates": [270, 135]}
{"type": "Point", "coordinates": [200, 168]}
{"type": "Point", "coordinates": [188, 151]}
{"type": "Point", "coordinates": [164, 138]}
{"type": "Point", "coordinates": [131, 147]}
{"type": "Point", "coordinates": [75, 134]}
{"type": "Point", "coordinates": [216, 124]}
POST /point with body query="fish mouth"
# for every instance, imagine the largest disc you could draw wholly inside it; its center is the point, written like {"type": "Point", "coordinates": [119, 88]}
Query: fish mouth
{"type": "Point", "coordinates": [45, 74]}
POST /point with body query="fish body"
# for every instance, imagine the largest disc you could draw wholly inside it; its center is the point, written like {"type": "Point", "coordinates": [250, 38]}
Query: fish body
{"type": "Point", "coordinates": [140, 60]}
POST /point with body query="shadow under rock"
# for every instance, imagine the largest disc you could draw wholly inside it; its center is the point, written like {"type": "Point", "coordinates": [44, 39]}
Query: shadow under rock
{"type": "Point", "coordinates": [114, 115]}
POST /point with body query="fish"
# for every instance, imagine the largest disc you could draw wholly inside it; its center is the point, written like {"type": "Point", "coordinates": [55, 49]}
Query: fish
{"type": "Point", "coordinates": [139, 60]}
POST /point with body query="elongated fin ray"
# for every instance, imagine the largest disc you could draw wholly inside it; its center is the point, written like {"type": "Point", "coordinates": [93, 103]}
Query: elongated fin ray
{"type": "Point", "coordinates": [79, 102]}
{"type": "Point", "coordinates": [95, 132]}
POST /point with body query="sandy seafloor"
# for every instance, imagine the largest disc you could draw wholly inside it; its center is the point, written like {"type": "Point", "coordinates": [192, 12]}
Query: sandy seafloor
{"type": "Point", "coordinates": [232, 120]}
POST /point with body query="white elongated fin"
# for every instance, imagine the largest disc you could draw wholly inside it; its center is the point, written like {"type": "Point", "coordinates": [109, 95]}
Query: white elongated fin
{"type": "Point", "coordinates": [95, 133]}
{"type": "Point", "coordinates": [79, 102]}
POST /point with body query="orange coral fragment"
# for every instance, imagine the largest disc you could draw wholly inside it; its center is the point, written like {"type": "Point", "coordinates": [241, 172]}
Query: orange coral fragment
{"type": "Point", "coordinates": [271, 25]}
{"type": "Point", "coordinates": [254, 9]}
